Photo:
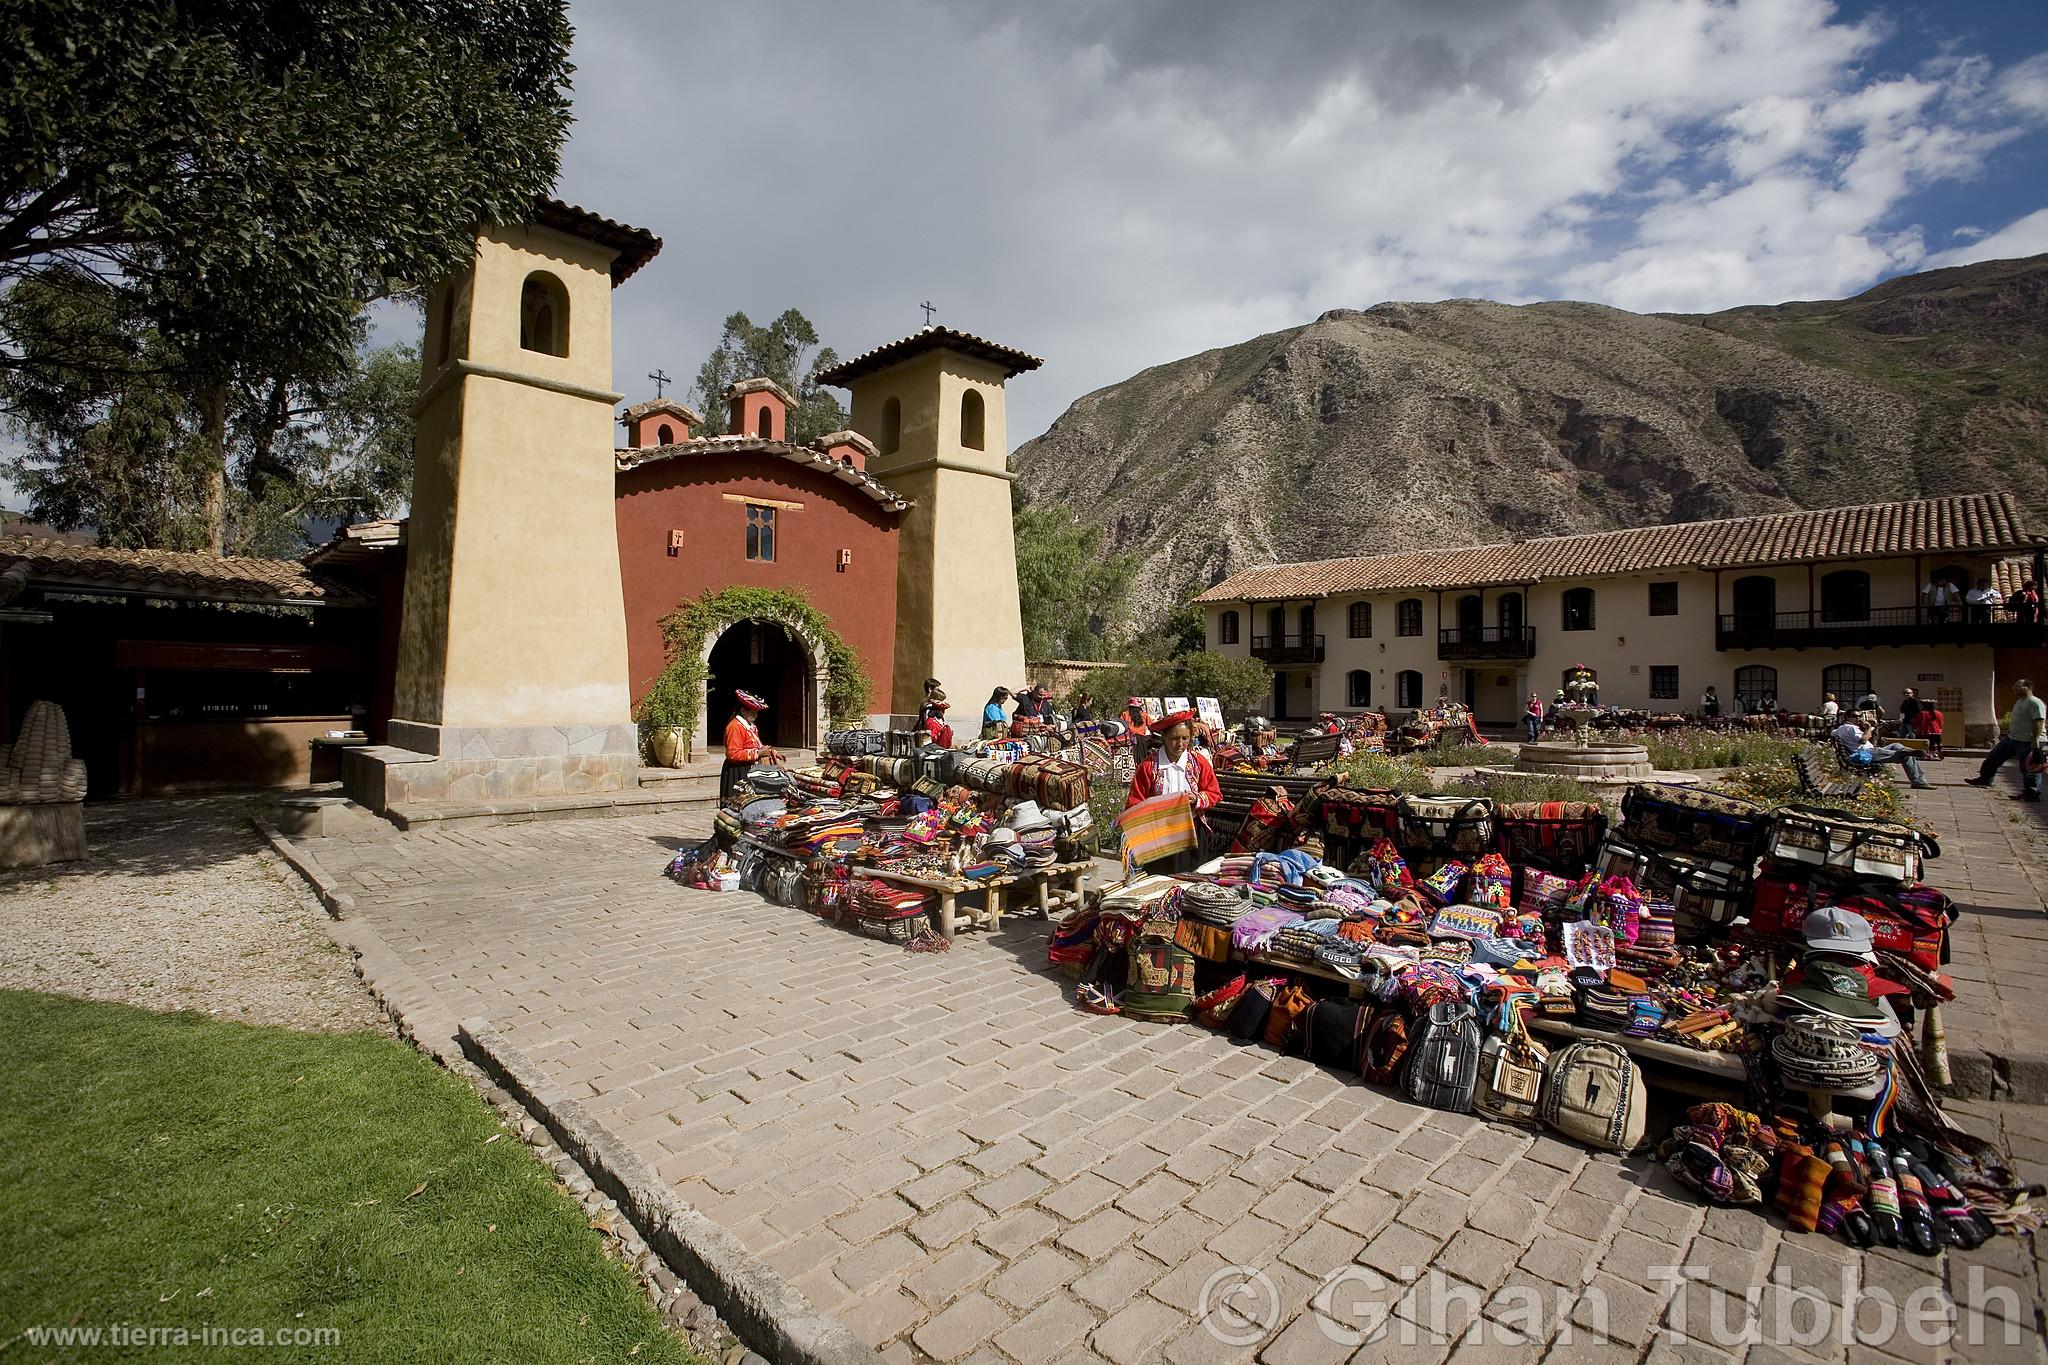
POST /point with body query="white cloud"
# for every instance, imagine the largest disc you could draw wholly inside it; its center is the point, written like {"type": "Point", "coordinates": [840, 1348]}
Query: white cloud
{"type": "Point", "coordinates": [2027, 236]}
{"type": "Point", "coordinates": [1118, 185]}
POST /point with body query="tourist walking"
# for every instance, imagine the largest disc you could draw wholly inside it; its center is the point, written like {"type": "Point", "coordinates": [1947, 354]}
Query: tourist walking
{"type": "Point", "coordinates": [2025, 737]}
{"type": "Point", "coordinates": [1829, 707]}
{"type": "Point", "coordinates": [1710, 704]}
{"type": "Point", "coordinates": [1532, 717]}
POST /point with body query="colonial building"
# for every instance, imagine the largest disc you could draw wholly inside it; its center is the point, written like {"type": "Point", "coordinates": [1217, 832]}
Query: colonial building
{"type": "Point", "coordinates": [1793, 606]}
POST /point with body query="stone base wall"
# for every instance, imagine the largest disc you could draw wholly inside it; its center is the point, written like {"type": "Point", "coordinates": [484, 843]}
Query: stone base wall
{"type": "Point", "coordinates": [379, 777]}
{"type": "Point", "coordinates": [514, 741]}
{"type": "Point", "coordinates": [44, 832]}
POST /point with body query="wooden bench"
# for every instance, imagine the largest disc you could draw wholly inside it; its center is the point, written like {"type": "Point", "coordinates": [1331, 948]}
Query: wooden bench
{"type": "Point", "coordinates": [1829, 771]}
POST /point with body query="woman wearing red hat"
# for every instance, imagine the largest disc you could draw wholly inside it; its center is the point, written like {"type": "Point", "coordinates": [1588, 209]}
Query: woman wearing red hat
{"type": "Point", "coordinates": [1177, 768]}
{"type": "Point", "coordinates": [743, 747]}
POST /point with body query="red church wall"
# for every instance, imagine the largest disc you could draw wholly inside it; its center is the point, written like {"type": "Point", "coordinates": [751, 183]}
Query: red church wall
{"type": "Point", "coordinates": [687, 494]}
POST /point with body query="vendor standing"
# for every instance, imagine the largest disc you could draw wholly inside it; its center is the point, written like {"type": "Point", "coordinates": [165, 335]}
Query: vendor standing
{"type": "Point", "coordinates": [743, 747]}
{"type": "Point", "coordinates": [1176, 768]}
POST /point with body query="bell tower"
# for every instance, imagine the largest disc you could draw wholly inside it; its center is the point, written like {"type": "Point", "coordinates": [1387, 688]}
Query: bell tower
{"type": "Point", "coordinates": [932, 404]}
{"type": "Point", "coordinates": [511, 670]}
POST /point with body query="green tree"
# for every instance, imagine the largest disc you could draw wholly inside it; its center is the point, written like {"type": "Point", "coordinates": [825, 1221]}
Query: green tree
{"type": "Point", "coordinates": [115, 437]}
{"type": "Point", "coordinates": [243, 176]}
{"type": "Point", "coordinates": [1071, 588]}
{"type": "Point", "coordinates": [786, 351]}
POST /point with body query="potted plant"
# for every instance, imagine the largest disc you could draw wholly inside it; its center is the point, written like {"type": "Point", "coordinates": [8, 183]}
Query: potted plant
{"type": "Point", "coordinates": [666, 716]}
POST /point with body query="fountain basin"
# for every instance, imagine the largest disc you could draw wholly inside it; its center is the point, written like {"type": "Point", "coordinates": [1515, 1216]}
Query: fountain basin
{"type": "Point", "coordinates": [1593, 762]}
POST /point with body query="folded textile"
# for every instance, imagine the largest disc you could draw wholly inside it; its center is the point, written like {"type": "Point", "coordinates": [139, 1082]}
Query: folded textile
{"type": "Point", "coordinates": [1257, 928]}
{"type": "Point", "coordinates": [1289, 866]}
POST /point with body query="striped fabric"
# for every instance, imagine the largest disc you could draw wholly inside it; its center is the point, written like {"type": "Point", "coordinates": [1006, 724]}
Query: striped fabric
{"type": "Point", "coordinates": [1157, 828]}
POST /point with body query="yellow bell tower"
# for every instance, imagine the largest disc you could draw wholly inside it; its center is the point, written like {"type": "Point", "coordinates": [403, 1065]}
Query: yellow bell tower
{"type": "Point", "coordinates": [932, 404]}
{"type": "Point", "coordinates": [511, 670]}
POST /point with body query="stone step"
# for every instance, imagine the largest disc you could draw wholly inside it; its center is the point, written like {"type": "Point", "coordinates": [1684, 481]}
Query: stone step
{"type": "Point", "coordinates": [690, 781]}
{"type": "Point", "coordinates": [518, 810]}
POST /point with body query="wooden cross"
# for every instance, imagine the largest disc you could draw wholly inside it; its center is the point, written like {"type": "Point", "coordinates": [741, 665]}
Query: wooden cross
{"type": "Point", "coordinates": [660, 378]}
{"type": "Point", "coordinates": [929, 309]}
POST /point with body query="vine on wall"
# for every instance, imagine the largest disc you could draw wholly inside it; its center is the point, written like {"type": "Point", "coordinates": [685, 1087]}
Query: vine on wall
{"type": "Point", "coordinates": [676, 696]}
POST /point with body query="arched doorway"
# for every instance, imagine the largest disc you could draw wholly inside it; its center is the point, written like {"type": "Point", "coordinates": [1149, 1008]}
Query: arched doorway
{"type": "Point", "coordinates": [765, 658]}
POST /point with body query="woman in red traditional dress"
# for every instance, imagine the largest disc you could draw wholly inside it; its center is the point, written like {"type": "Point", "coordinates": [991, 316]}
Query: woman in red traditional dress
{"type": "Point", "coordinates": [1176, 768]}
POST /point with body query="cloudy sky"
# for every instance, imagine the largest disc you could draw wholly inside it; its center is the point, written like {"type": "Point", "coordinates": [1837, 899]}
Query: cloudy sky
{"type": "Point", "coordinates": [1116, 183]}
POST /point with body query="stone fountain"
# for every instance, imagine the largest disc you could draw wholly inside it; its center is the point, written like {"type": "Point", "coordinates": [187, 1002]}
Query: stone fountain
{"type": "Point", "coordinates": [1581, 759]}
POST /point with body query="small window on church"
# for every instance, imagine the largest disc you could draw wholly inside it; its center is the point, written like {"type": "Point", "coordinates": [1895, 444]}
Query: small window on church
{"type": "Point", "coordinates": [761, 533]}
{"type": "Point", "coordinates": [892, 426]}
{"type": "Point", "coordinates": [765, 428]}
{"type": "Point", "coordinates": [971, 420]}
{"type": "Point", "coordinates": [665, 433]}
{"type": "Point", "coordinates": [544, 315]}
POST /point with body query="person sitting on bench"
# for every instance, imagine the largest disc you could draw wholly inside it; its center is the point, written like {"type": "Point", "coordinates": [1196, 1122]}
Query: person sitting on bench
{"type": "Point", "coordinates": [1857, 748]}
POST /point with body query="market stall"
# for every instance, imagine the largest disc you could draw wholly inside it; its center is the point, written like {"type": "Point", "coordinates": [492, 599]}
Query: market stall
{"type": "Point", "coordinates": [901, 839]}
{"type": "Point", "coordinates": [1782, 966]}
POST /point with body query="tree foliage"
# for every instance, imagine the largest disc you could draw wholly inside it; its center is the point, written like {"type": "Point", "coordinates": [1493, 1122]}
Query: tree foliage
{"type": "Point", "coordinates": [1242, 685]}
{"type": "Point", "coordinates": [786, 351]}
{"type": "Point", "coordinates": [219, 186]}
{"type": "Point", "coordinates": [1072, 591]}
{"type": "Point", "coordinates": [122, 447]}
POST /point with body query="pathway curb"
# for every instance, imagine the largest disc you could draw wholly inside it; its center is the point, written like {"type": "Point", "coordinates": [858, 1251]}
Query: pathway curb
{"type": "Point", "coordinates": [756, 1302]}
{"type": "Point", "coordinates": [339, 903]}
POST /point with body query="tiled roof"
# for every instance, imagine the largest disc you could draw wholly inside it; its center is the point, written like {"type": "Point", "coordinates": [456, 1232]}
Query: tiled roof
{"type": "Point", "coordinates": [168, 573]}
{"type": "Point", "coordinates": [636, 246]}
{"type": "Point", "coordinates": [760, 383]}
{"type": "Point", "coordinates": [1009, 360]}
{"type": "Point", "coordinates": [1975, 523]}
{"type": "Point", "coordinates": [653, 406]}
{"type": "Point", "coordinates": [807, 456]}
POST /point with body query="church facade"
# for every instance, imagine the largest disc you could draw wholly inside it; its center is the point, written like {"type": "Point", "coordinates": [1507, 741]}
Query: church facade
{"type": "Point", "coordinates": [537, 580]}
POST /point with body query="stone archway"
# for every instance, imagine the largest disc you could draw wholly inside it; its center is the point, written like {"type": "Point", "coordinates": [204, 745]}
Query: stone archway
{"type": "Point", "coordinates": [798, 699]}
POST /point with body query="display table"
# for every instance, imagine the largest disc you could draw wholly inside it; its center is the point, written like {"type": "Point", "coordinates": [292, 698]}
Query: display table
{"type": "Point", "coordinates": [950, 889]}
{"type": "Point", "coordinates": [1058, 888]}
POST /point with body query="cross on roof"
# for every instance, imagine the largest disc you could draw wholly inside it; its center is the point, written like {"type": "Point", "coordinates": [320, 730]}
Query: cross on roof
{"type": "Point", "coordinates": [929, 309]}
{"type": "Point", "coordinates": [660, 378]}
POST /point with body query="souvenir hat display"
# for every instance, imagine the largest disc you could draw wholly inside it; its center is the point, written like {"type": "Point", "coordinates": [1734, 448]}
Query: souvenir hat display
{"type": "Point", "coordinates": [1421, 941]}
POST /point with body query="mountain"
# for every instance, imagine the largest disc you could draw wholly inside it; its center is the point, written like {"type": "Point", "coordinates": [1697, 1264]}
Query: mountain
{"type": "Point", "coordinates": [1409, 425]}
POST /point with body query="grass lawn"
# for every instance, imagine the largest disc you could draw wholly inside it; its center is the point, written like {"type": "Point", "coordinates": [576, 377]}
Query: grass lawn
{"type": "Point", "coordinates": [168, 1170]}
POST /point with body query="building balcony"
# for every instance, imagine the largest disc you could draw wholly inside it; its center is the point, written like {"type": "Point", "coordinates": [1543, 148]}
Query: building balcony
{"type": "Point", "coordinates": [1879, 626]}
{"type": "Point", "coordinates": [1287, 650]}
{"type": "Point", "coordinates": [1486, 642]}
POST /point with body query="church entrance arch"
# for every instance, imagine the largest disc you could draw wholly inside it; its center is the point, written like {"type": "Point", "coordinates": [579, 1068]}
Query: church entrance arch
{"type": "Point", "coordinates": [776, 661]}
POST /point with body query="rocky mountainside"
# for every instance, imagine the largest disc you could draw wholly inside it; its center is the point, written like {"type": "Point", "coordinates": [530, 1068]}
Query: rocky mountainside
{"type": "Point", "coordinates": [1409, 425]}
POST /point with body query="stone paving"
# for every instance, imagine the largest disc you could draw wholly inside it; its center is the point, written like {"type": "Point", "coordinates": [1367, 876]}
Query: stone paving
{"type": "Point", "coordinates": [943, 1152]}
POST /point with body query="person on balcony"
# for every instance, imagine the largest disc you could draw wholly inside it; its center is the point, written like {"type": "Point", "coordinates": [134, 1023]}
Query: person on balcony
{"type": "Point", "coordinates": [1938, 596]}
{"type": "Point", "coordinates": [1855, 741]}
{"type": "Point", "coordinates": [2026, 603]}
{"type": "Point", "coordinates": [1983, 602]}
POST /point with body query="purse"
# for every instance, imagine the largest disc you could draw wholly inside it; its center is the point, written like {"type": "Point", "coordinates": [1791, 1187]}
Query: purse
{"type": "Point", "coordinates": [1446, 826]}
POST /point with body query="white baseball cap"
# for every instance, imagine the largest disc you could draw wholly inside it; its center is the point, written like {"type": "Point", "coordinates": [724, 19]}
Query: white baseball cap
{"type": "Point", "coordinates": [1831, 929]}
